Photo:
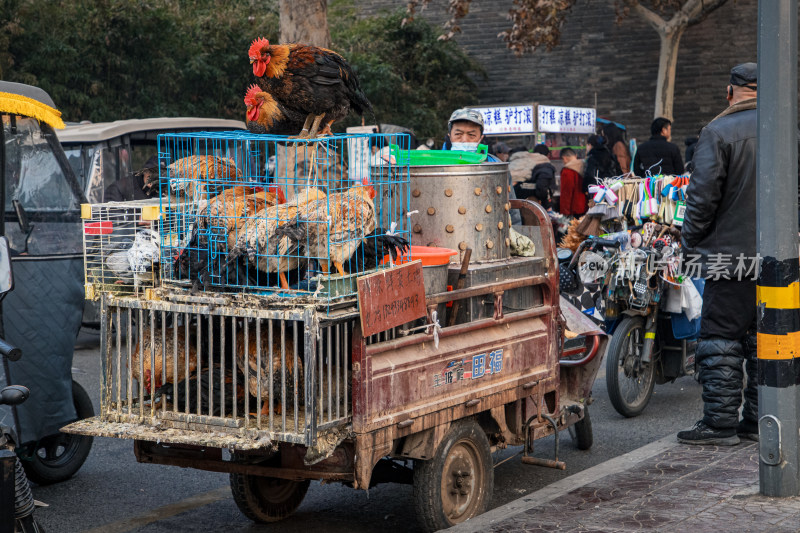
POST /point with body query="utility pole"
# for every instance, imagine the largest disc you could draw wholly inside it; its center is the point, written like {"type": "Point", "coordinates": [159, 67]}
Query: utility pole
{"type": "Point", "coordinates": [779, 279]}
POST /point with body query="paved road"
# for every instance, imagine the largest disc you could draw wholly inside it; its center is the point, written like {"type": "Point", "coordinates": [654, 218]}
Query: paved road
{"type": "Point", "coordinates": [113, 493]}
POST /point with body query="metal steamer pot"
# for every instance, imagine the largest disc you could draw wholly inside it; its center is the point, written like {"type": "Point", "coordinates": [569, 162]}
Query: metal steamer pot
{"type": "Point", "coordinates": [460, 207]}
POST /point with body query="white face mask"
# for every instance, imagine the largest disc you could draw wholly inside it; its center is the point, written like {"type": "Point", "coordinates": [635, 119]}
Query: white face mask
{"type": "Point", "coordinates": [466, 147]}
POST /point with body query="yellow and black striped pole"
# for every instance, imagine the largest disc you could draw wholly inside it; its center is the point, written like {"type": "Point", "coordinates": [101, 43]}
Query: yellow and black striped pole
{"type": "Point", "coordinates": [779, 278]}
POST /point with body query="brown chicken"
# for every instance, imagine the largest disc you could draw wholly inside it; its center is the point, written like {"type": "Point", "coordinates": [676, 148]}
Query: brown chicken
{"type": "Point", "coordinates": [230, 210]}
{"type": "Point", "coordinates": [332, 229]}
{"type": "Point", "coordinates": [314, 82]}
{"type": "Point", "coordinates": [258, 241]}
{"type": "Point", "coordinates": [163, 362]}
{"type": "Point", "coordinates": [196, 174]}
{"type": "Point", "coordinates": [247, 361]}
{"type": "Point", "coordinates": [265, 115]}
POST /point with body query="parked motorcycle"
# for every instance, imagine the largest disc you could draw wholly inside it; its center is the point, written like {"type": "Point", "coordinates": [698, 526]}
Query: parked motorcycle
{"type": "Point", "coordinates": [15, 491]}
{"type": "Point", "coordinates": [648, 345]}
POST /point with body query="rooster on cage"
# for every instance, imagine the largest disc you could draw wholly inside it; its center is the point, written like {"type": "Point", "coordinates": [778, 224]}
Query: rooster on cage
{"type": "Point", "coordinates": [258, 240]}
{"type": "Point", "coordinates": [331, 230]}
{"type": "Point", "coordinates": [163, 359]}
{"type": "Point", "coordinates": [266, 115]}
{"type": "Point", "coordinates": [316, 82]}
{"type": "Point", "coordinates": [248, 362]}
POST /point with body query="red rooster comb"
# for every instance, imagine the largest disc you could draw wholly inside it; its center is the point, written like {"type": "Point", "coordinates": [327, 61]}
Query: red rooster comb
{"type": "Point", "coordinates": [256, 46]}
{"type": "Point", "coordinates": [250, 96]}
{"type": "Point", "coordinates": [370, 189]}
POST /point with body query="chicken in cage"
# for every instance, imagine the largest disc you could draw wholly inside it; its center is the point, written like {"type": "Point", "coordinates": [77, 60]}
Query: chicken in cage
{"type": "Point", "coordinates": [171, 364]}
{"type": "Point", "coordinates": [345, 213]}
{"type": "Point", "coordinates": [122, 246]}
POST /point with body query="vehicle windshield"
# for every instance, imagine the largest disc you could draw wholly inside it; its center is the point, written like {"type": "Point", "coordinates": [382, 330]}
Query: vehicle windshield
{"type": "Point", "coordinates": [98, 165]}
{"type": "Point", "coordinates": [36, 180]}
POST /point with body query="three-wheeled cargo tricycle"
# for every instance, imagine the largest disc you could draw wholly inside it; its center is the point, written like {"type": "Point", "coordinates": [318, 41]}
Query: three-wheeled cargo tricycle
{"type": "Point", "coordinates": [41, 316]}
{"type": "Point", "coordinates": [279, 382]}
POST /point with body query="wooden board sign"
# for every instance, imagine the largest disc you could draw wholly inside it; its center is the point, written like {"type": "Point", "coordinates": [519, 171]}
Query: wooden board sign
{"type": "Point", "coordinates": [391, 297]}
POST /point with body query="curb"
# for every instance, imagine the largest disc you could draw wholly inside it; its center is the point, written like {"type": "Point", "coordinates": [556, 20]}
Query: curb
{"type": "Point", "coordinates": [482, 523]}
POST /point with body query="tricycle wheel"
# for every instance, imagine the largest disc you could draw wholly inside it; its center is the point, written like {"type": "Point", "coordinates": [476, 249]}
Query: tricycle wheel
{"type": "Point", "coordinates": [267, 499]}
{"type": "Point", "coordinates": [630, 381]}
{"type": "Point", "coordinates": [57, 457]}
{"type": "Point", "coordinates": [582, 431]}
{"type": "Point", "coordinates": [456, 483]}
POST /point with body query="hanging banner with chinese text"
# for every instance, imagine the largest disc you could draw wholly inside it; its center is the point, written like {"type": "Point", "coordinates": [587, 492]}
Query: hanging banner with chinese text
{"type": "Point", "coordinates": [556, 119]}
{"type": "Point", "coordinates": [507, 120]}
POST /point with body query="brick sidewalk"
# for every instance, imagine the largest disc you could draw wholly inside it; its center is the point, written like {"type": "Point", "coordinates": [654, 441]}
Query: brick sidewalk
{"type": "Point", "coordinates": [665, 486]}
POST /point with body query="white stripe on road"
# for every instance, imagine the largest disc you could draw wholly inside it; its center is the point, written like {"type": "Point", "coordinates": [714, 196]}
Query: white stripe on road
{"type": "Point", "coordinates": [166, 511]}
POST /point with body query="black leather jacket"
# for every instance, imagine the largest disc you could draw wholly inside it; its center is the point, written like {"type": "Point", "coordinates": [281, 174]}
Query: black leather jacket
{"type": "Point", "coordinates": [720, 213]}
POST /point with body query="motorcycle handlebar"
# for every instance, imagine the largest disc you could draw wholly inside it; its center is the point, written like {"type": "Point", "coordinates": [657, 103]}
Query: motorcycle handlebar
{"type": "Point", "coordinates": [603, 243]}
{"type": "Point", "coordinates": [592, 244]}
{"type": "Point", "coordinates": [12, 352]}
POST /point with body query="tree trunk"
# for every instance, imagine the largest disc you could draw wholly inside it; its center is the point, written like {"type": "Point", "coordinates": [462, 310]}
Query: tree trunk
{"type": "Point", "coordinates": [670, 33]}
{"type": "Point", "coordinates": [305, 21]}
{"type": "Point", "coordinates": [667, 63]}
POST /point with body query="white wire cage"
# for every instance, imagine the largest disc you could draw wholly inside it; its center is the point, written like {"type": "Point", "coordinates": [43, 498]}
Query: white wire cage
{"type": "Point", "coordinates": [282, 216]}
{"type": "Point", "coordinates": [121, 247]}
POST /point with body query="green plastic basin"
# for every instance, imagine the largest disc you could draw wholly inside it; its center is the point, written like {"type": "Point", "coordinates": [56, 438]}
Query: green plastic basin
{"type": "Point", "coordinates": [439, 157]}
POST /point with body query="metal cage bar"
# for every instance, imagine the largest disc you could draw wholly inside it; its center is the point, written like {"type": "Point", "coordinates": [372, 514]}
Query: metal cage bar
{"type": "Point", "coordinates": [177, 366]}
{"type": "Point", "coordinates": [224, 218]}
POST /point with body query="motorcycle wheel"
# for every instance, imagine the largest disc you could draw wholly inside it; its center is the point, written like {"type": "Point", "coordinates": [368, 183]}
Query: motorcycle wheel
{"type": "Point", "coordinates": [57, 457]}
{"type": "Point", "coordinates": [28, 524]}
{"type": "Point", "coordinates": [630, 382]}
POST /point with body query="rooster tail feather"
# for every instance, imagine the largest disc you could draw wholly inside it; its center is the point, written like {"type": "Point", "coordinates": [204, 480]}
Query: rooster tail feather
{"type": "Point", "coordinates": [292, 231]}
{"type": "Point", "coordinates": [379, 243]}
{"type": "Point", "coordinates": [396, 245]}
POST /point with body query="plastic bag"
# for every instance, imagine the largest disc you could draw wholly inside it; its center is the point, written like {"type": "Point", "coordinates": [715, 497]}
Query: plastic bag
{"type": "Point", "coordinates": [691, 301]}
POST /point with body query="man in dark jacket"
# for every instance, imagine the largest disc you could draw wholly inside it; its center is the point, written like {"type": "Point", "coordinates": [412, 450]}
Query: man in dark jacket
{"type": "Point", "coordinates": [658, 155]}
{"type": "Point", "coordinates": [720, 230]}
{"type": "Point", "coordinates": [137, 186]}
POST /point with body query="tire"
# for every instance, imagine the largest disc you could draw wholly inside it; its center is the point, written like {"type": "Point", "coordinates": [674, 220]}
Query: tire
{"type": "Point", "coordinates": [267, 499]}
{"type": "Point", "coordinates": [443, 494]}
{"type": "Point", "coordinates": [57, 457]}
{"type": "Point", "coordinates": [582, 435]}
{"type": "Point", "coordinates": [630, 383]}
{"type": "Point", "coordinates": [28, 525]}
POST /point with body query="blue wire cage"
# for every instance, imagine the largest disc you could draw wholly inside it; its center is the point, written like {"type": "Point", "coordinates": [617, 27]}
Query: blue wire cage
{"type": "Point", "coordinates": [281, 216]}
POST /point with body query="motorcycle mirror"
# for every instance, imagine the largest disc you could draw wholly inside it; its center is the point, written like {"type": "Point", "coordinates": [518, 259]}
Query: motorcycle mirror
{"type": "Point", "coordinates": [14, 395]}
{"type": "Point", "coordinates": [6, 275]}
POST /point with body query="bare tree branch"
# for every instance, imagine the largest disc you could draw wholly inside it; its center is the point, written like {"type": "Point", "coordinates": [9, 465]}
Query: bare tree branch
{"type": "Point", "coordinates": [707, 6]}
{"type": "Point", "coordinates": [651, 17]}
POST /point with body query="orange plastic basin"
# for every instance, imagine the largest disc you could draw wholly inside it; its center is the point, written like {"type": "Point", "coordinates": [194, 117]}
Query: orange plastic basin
{"type": "Point", "coordinates": [430, 255]}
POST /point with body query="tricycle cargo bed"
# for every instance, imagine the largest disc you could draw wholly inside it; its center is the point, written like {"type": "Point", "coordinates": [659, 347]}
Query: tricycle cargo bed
{"type": "Point", "coordinates": [175, 366]}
